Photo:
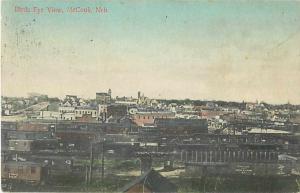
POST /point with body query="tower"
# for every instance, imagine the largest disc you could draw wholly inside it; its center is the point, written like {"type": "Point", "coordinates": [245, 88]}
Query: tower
{"type": "Point", "coordinates": [109, 92]}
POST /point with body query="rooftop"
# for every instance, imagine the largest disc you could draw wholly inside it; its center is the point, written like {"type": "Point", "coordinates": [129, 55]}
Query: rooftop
{"type": "Point", "coordinates": [153, 181]}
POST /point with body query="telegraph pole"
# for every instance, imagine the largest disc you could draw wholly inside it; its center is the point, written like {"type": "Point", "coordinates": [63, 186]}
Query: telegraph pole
{"type": "Point", "coordinates": [102, 161]}
{"type": "Point", "coordinates": [86, 176]}
{"type": "Point", "coordinates": [91, 165]}
{"type": "Point", "coordinates": [102, 165]}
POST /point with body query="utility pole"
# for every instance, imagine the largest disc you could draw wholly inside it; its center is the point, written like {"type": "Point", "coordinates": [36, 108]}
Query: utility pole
{"type": "Point", "coordinates": [86, 176]}
{"type": "Point", "coordinates": [102, 165]}
{"type": "Point", "coordinates": [102, 161]}
{"type": "Point", "coordinates": [91, 165]}
{"type": "Point", "coordinates": [55, 129]}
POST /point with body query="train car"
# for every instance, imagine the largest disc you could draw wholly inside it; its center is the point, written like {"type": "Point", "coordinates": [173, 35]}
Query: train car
{"type": "Point", "coordinates": [23, 145]}
{"type": "Point", "coordinates": [32, 126]}
{"type": "Point", "coordinates": [76, 140]}
{"type": "Point", "coordinates": [181, 126]}
{"type": "Point", "coordinates": [29, 172]}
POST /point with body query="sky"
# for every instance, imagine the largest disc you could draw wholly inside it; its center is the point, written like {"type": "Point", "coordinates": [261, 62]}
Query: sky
{"type": "Point", "coordinates": [207, 50]}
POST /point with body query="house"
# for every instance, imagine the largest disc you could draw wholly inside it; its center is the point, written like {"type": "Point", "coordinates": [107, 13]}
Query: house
{"type": "Point", "coordinates": [72, 100]}
{"type": "Point", "coordinates": [150, 182]}
{"type": "Point", "coordinates": [6, 112]}
{"type": "Point", "coordinates": [6, 108]}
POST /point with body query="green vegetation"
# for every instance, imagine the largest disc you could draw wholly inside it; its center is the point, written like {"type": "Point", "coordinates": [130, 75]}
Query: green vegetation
{"type": "Point", "coordinates": [298, 183]}
{"type": "Point", "coordinates": [236, 184]}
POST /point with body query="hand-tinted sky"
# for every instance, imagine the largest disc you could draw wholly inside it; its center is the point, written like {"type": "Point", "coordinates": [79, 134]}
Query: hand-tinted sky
{"type": "Point", "coordinates": [242, 50]}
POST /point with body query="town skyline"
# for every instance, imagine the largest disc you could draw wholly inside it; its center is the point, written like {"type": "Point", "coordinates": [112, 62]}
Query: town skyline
{"type": "Point", "coordinates": [167, 50]}
{"type": "Point", "coordinates": [135, 96]}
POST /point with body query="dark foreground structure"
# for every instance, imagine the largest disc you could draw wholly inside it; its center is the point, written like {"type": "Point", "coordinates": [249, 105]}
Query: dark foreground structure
{"type": "Point", "coordinates": [150, 182]}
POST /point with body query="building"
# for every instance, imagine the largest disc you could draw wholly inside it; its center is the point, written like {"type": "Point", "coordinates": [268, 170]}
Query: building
{"type": "Point", "coordinates": [102, 112]}
{"type": "Point", "coordinates": [129, 101]}
{"type": "Point", "coordinates": [145, 101]}
{"type": "Point", "coordinates": [71, 101]}
{"type": "Point", "coordinates": [112, 112]}
{"type": "Point", "coordinates": [81, 111]}
{"type": "Point", "coordinates": [50, 115]}
{"type": "Point", "coordinates": [103, 97]}
{"type": "Point", "coordinates": [6, 109]}
{"type": "Point", "coordinates": [6, 127]}
{"type": "Point", "coordinates": [116, 111]}
{"type": "Point", "coordinates": [210, 114]}
{"type": "Point", "coordinates": [66, 109]}
{"type": "Point", "coordinates": [74, 108]}
{"type": "Point", "coordinates": [68, 116]}
{"type": "Point", "coordinates": [148, 118]}
{"type": "Point", "coordinates": [150, 182]}
{"type": "Point", "coordinates": [251, 105]}
{"type": "Point", "coordinates": [181, 126]}
{"type": "Point", "coordinates": [68, 106]}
